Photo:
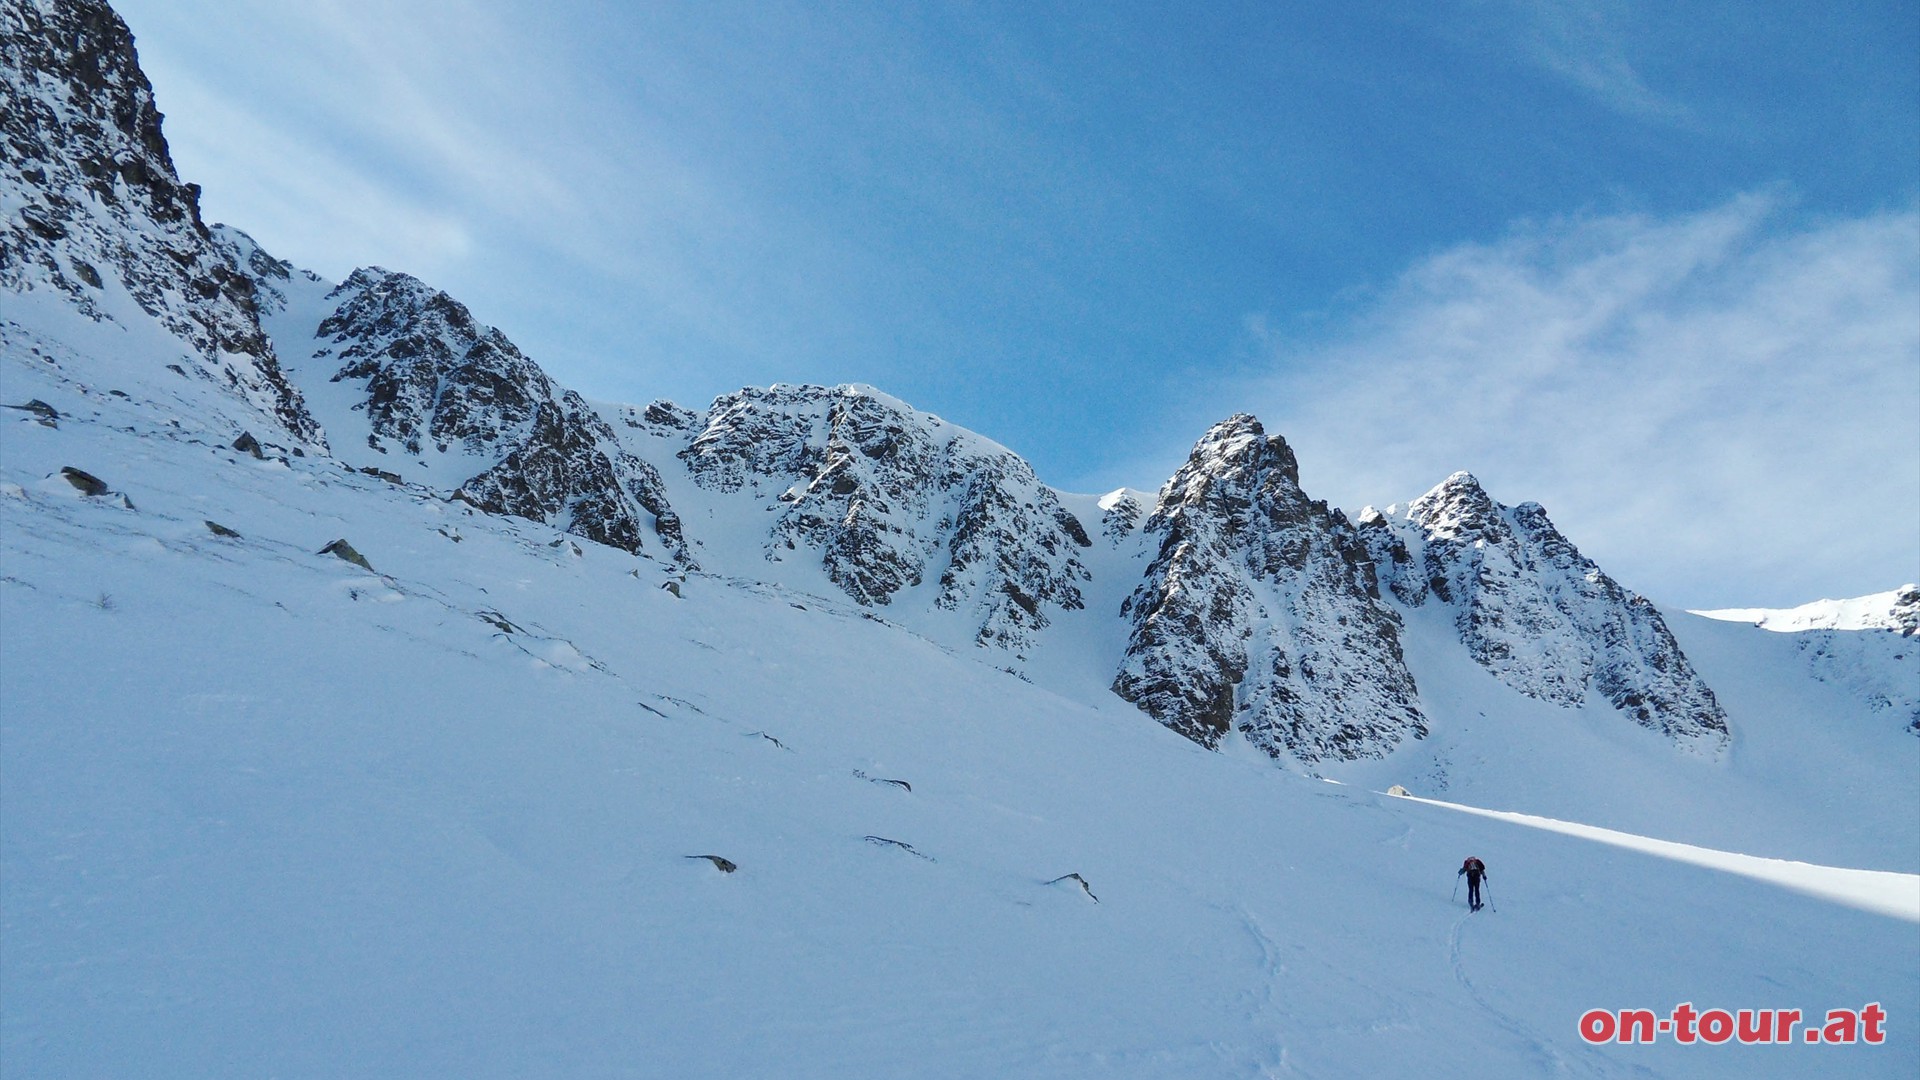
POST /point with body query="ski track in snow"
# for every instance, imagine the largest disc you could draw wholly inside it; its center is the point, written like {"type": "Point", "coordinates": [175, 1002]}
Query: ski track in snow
{"type": "Point", "coordinates": [1547, 1054]}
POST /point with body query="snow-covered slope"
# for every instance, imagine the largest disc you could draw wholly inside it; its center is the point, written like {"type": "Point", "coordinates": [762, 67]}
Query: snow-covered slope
{"type": "Point", "coordinates": [267, 812]}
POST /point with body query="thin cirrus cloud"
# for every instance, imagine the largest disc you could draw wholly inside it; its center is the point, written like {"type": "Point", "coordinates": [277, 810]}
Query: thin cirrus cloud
{"type": "Point", "coordinates": [477, 152]}
{"type": "Point", "coordinates": [281, 131]}
{"type": "Point", "coordinates": [1582, 43]}
{"type": "Point", "coordinates": [1718, 407]}
{"type": "Point", "coordinates": [314, 202]}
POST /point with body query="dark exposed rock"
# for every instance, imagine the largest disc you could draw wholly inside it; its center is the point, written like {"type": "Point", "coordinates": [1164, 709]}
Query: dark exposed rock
{"type": "Point", "coordinates": [860, 774]}
{"type": "Point", "coordinates": [1906, 613]}
{"type": "Point", "coordinates": [1260, 613]}
{"type": "Point", "coordinates": [725, 866]}
{"type": "Point", "coordinates": [247, 444]}
{"type": "Point", "coordinates": [497, 621]}
{"type": "Point", "coordinates": [98, 197]}
{"type": "Point", "coordinates": [220, 530]}
{"type": "Point", "coordinates": [899, 845]}
{"type": "Point", "coordinates": [667, 415]}
{"type": "Point", "coordinates": [87, 483]}
{"type": "Point", "coordinates": [340, 549]}
{"type": "Point", "coordinates": [1121, 516]}
{"type": "Point", "coordinates": [1077, 880]}
{"type": "Point", "coordinates": [45, 414]}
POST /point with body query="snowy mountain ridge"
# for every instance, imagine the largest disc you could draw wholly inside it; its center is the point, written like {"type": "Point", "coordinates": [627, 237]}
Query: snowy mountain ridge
{"type": "Point", "coordinates": [1258, 610]}
{"type": "Point", "coordinates": [1897, 609]}
{"type": "Point", "coordinates": [92, 211]}
{"type": "Point", "coordinates": [887, 497]}
{"type": "Point", "coordinates": [410, 374]}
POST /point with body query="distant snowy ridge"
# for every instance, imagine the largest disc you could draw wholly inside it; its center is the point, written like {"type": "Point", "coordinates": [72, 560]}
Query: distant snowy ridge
{"type": "Point", "coordinates": [1897, 609]}
{"type": "Point", "coordinates": [1868, 644]}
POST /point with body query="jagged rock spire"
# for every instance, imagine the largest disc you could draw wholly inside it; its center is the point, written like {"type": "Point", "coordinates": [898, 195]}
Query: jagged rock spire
{"type": "Point", "coordinates": [1260, 612]}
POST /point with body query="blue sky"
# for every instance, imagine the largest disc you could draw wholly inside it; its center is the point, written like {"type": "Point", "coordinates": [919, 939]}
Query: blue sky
{"type": "Point", "coordinates": [1655, 266]}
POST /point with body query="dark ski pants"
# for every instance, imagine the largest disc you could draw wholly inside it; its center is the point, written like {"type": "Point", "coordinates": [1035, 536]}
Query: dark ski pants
{"type": "Point", "coordinates": [1473, 890]}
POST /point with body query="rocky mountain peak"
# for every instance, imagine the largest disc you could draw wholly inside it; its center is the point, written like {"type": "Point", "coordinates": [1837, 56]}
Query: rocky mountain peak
{"type": "Point", "coordinates": [1260, 613]}
{"type": "Point", "coordinates": [1539, 615]}
{"type": "Point", "coordinates": [434, 374]}
{"type": "Point", "coordinates": [1231, 465]}
{"type": "Point", "coordinates": [889, 499]}
{"type": "Point", "coordinates": [418, 376]}
{"type": "Point", "coordinates": [1460, 509]}
{"type": "Point", "coordinates": [98, 215]}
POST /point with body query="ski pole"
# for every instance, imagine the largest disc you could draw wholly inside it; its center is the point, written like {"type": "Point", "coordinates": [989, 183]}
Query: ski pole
{"type": "Point", "coordinates": [1456, 889]}
{"type": "Point", "coordinates": [1487, 884]}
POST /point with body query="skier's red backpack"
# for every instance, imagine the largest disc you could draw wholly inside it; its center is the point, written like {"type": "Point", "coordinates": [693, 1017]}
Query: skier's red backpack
{"type": "Point", "coordinates": [1473, 865]}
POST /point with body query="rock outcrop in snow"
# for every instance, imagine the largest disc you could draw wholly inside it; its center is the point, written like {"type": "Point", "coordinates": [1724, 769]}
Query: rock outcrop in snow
{"type": "Point", "coordinates": [1538, 615]}
{"type": "Point", "coordinates": [1260, 613]}
{"type": "Point", "coordinates": [432, 381]}
{"type": "Point", "coordinates": [889, 498]}
{"type": "Point", "coordinates": [92, 209]}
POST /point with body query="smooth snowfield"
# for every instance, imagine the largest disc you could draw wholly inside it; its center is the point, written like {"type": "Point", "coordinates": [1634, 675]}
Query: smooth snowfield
{"type": "Point", "coordinates": [265, 813]}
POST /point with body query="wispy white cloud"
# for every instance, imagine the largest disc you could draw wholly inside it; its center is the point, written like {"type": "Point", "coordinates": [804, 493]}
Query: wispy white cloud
{"type": "Point", "coordinates": [1583, 43]}
{"type": "Point", "coordinates": [300, 197]}
{"type": "Point", "coordinates": [1718, 407]}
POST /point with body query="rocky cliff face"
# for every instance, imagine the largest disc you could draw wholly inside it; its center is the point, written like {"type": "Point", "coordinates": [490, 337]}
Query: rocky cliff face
{"type": "Point", "coordinates": [428, 380]}
{"type": "Point", "coordinates": [91, 208]}
{"type": "Point", "coordinates": [1538, 615]}
{"type": "Point", "coordinates": [1260, 613]}
{"type": "Point", "coordinates": [1905, 615]}
{"type": "Point", "coordinates": [889, 499]}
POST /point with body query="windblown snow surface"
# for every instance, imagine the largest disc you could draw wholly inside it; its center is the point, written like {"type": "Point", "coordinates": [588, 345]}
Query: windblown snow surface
{"type": "Point", "coordinates": [267, 813]}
